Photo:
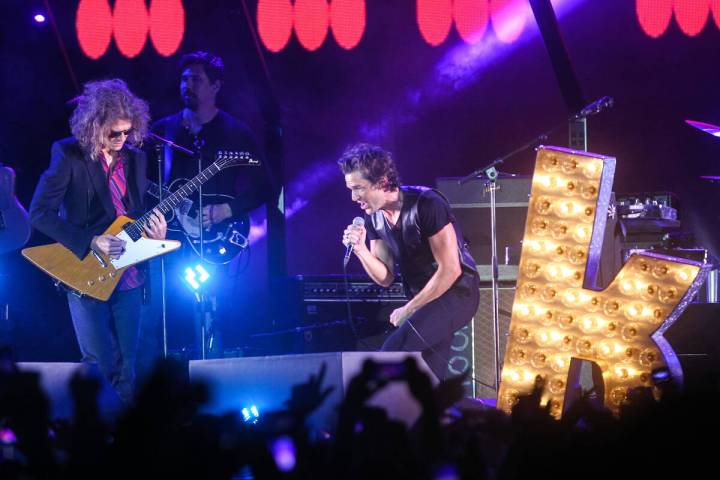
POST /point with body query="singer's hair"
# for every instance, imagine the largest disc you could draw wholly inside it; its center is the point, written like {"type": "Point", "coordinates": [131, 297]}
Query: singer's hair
{"type": "Point", "coordinates": [374, 163]}
{"type": "Point", "coordinates": [101, 104]}
{"type": "Point", "coordinates": [212, 64]}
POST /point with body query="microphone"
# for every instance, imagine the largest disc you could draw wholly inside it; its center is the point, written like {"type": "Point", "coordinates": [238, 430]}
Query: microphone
{"type": "Point", "coordinates": [359, 221]}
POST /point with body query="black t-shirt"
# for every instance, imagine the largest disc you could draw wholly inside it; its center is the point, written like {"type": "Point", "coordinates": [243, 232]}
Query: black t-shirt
{"type": "Point", "coordinates": [250, 186]}
{"type": "Point", "coordinates": [434, 213]}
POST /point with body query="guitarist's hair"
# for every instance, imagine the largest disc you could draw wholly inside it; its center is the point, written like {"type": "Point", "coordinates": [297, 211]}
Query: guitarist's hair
{"type": "Point", "coordinates": [102, 103]}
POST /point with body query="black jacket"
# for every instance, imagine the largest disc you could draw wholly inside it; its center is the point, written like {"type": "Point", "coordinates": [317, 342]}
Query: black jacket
{"type": "Point", "coordinates": [72, 201]}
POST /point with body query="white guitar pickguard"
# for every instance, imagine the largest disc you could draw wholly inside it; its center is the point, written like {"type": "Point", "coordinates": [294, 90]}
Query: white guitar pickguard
{"type": "Point", "coordinates": [141, 250]}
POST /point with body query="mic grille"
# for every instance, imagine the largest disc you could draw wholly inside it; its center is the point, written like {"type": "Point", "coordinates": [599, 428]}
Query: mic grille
{"type": "Point", "coordinates": [359, 221]}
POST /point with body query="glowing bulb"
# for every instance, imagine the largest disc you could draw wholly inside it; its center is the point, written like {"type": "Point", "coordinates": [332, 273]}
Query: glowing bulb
{"type": "Point", "coordinates": [553, 272]}
{"type": "Point", "coordinates": [539, 226]}
{"type": "Point", "coordinates": [522, 309]}
{"type": "Point", "coordinates": [592, 169]}
{"type": "Point", "coordinates": [589, 323]}
{"type": "Point", "coordinates": [559, 363]}
{"type": "Point", "coordinates": [668, 295]}
{"type": "Point", "coordinates": [570, 297]}
{"type": "Point", "coordinates": [634, 311]}
{"type": "Point", "coordinates": [566, 208]}
{"type": "Point", "coordinates": [581, 234]}
{"type": "Point", "coordinates": [684, 276]}
{"type": "Point", "coordinates": [569, 165]}
{"type": "Point", "coordinates": [542, 338]}
{"type": "Point", "coordinates": [542, 205]}
{"type": "Point", "coordinates": [588, 192]}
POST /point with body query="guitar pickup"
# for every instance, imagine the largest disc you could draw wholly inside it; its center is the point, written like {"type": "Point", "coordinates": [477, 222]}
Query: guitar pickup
{"type": "Point", "coordinates": [100, 260]}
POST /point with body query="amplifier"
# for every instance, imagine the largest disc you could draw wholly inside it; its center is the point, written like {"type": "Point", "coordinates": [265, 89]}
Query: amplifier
{"type": "Point", "coordinates": [474, 345]}
{"type": "Point", "coordinates": [471, 207]}
{"type": "Point", "coordinates": [318, 317]}
{"type": "Point", "coordinates": [332, 288]}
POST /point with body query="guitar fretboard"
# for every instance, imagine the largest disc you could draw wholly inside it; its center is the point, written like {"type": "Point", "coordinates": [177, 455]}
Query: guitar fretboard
{"type": "Point", "coordinates": [135, 229]}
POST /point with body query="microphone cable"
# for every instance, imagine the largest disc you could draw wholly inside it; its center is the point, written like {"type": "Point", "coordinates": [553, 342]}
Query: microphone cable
{"type": "Point", "coordinates": [446, 360]}
{"type": "Point", "coordinates": [358, 341]}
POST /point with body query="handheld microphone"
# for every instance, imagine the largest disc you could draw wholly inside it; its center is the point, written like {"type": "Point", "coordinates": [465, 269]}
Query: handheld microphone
{"type": "Point", "coordinates": [359, 221]}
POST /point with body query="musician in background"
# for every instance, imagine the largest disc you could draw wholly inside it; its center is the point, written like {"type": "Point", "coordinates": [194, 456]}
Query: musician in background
{"type": "Point", "coordinates": [95, 176]}
{"type": "Point", "coordinates": [414, 228]}
{"type": "Point", "coordinates": [228, 196]}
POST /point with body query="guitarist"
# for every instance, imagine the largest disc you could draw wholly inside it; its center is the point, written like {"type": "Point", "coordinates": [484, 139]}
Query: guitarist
{"type": "Point", "coordinates": [95, 176]}
{"type": "Point", "coordinates": [202, 125]}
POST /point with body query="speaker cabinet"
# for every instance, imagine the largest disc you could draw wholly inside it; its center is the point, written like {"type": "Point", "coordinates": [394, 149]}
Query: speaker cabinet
{"type": "Point", "coordinates": [474, 345]}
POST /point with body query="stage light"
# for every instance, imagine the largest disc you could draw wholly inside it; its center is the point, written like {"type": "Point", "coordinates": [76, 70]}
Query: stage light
{"type": "Point", "coordinates": [39, 18]}
{"type": "Point", "coordinates": [283, 451]}
{"type": "Point", "coordinates": [196, 277]}
{"type": "Point", "coordinates": [250, 415]}
{"type": "Point", "coordinates": [557, 316]}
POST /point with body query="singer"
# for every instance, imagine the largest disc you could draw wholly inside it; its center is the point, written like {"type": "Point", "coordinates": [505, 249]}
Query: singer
{"type": "Point", "coordinates": [414, 228]}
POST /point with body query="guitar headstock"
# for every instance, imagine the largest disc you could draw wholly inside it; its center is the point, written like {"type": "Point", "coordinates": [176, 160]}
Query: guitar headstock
{"type": "Point", "coordinates": [233, 158]}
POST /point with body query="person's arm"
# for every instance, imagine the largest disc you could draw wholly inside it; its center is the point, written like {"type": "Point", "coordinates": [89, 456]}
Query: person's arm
{"type": "Point", "coordinates": [377, 261]}
{"type": "Point", "coordinates": [444, 248]}
{"type": "Point", "coordinates": [45, 206]}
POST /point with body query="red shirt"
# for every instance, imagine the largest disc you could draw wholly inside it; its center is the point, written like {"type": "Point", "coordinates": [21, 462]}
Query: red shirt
{"type": "Point", "coordinates": [132, 277]}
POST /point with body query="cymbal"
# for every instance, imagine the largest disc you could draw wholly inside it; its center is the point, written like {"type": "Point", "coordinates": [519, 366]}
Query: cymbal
{"type": "Point", "coordinates": [705, 127]}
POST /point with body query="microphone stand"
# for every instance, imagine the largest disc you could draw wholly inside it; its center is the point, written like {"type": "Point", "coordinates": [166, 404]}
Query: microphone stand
{"type": "Point", "coordinates": [160, 156]}
{"type": "Point", "coordinates": [491, 173]}
{"type": "Point", "coordinates": [198, 144]}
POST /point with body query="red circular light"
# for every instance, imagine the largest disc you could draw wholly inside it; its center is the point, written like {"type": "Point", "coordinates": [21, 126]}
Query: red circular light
{"type": "Point", "coordinates": [130, 26]}
{"type": "Point", "coordinates": [275, 19]}
{"type": "Point", "coordinates": [692, 15]}
{"type": "Point", "coordinates": [167, 25]}
{"type": "Point", "coordinates": [471, 19]}
{"type": "Point", "coordinates": [715, 9]}
{"type": "Point", "coordinates": [93, 24]}
{"type": "Point", "coordinates": [654, 16]}
{"type": "Point", "coordinates": [347, 20]}
{"type": "Point", "coordinates": [434, 19]}
{"type": "Point", "coordinates": [508, 18]}
{"type": "Point", "coordinates": [311, 22]}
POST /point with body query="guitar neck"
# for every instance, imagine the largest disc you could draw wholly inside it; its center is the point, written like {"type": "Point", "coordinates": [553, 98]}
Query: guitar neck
{"type": "Point", "coordinates": [173, 199]}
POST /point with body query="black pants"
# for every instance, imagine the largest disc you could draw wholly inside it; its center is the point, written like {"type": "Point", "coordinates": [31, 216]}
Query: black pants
{"type": "Point", "coordinates": [436, 323]}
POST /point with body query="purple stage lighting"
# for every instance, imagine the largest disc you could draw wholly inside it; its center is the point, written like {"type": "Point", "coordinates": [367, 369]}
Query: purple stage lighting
{"type": "Point", "coordinates": [39, 18]}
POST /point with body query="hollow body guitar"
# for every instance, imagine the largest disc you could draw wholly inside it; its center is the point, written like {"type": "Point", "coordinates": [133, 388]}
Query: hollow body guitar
{"type": "Point", "coordinates": [222, 242]}
{"type": "Point", "coordinates": [96, 275]}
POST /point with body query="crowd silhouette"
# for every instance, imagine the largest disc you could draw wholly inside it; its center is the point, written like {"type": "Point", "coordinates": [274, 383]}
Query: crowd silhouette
{"type": "Point", "coordinates": [166, 435]}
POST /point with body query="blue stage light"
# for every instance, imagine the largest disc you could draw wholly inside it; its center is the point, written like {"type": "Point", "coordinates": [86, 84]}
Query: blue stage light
{"type": "Point", "coordinates": [39, 18]}
{"type": "Point", "coordinates": [250, 415]}
{"type": "Point", "coordinates": [195, 277]}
